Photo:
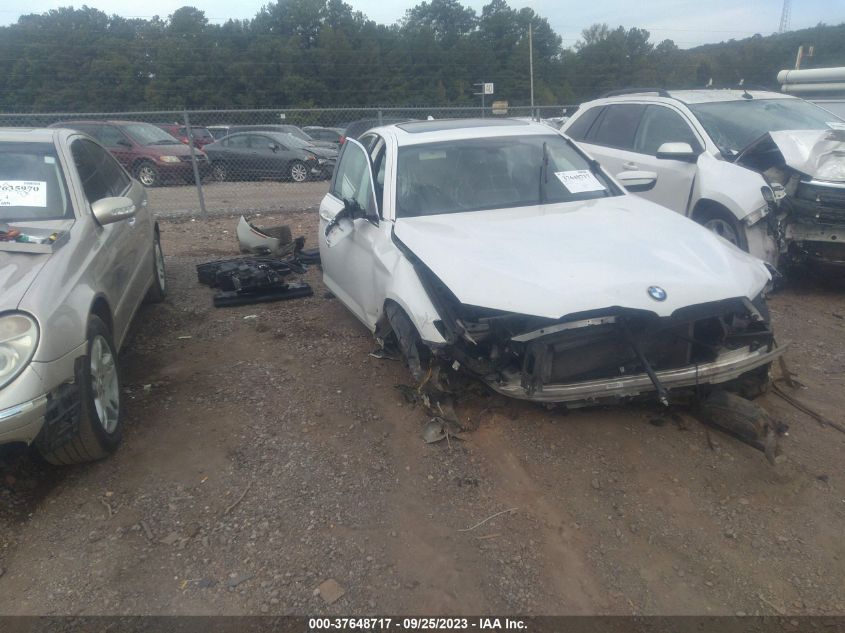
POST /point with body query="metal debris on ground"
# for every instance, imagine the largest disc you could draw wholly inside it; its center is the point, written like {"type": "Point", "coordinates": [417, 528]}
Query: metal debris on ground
{"type": "Point", "coordinates": [438, 429]}
{"type": "Point", "coordinates": [744, 420]}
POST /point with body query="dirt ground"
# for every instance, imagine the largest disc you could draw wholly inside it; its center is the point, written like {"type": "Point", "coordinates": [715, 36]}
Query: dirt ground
{"type": "Point", "coordinates": [266, 452]}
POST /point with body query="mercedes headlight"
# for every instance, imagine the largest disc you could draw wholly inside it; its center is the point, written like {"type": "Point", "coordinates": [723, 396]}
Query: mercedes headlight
{"type": "Point", "coordinates": [169, 159]}
{"type": "Point", "coordinates": [18, 340]}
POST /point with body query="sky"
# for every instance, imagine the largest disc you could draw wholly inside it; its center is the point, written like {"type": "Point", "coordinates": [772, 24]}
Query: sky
{"type": "Point", "coordinates": [687, 22]}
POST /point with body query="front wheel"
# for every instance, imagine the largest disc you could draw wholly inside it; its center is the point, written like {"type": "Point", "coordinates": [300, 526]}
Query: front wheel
{"type": "Point", "coordinates": [148, 174]}
{"type": "Point", "coordinates": [98, 428]}
{"type": "Point", "coordinates": [219, 172]}
{"type": "Point", "coordinates": [158, 290]}
{"type": "Point", "coordinates": [298, 172]}
{"type": "Point", "coordinates": [723, 224]}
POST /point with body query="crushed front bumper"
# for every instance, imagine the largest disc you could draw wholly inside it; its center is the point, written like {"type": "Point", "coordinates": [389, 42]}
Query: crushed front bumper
{"type": "Point", "coordinates": [726, 367]}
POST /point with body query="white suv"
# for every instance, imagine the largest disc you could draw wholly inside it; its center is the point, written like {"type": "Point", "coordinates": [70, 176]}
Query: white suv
{"type": "Point", "coordinates": [762, 169]}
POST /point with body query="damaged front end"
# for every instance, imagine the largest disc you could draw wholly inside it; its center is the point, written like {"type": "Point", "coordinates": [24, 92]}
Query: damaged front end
{"type": "Point", "coordinates": [806, 171]}
{"type": "Point", "coordinates": [607, 355]}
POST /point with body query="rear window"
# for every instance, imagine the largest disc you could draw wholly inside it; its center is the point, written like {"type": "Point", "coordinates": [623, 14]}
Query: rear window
{"type": "Point", "coordinates": [617, 126]}
{"type": "Point", "coordinates": [32, 184]}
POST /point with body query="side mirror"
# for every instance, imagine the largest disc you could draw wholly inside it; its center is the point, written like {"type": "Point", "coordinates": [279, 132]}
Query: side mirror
{"type": "Point", "coordinates": [637, 181]}
{"type": "Point", "coordinates": [273, 147]}
{"type": "Point", "coordinates": [677, 151]}
{"type": "Point", "coordinates": [110, 210]}
{"type": "Point", "coordinates": [124, 143]}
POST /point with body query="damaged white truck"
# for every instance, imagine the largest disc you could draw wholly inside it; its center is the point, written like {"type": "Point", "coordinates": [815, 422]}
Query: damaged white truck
{"type": "Point", "coordinates": [500, 250]}
{"type": "Point", "coordinates": [764, 170]}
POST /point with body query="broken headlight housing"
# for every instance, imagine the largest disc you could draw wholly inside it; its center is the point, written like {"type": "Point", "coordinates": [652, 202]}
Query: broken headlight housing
{"type": "Point", "coordinates": [18, 340]}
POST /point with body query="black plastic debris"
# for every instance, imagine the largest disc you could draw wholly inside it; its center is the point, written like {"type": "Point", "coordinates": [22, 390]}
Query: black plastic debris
{"type": "Point", "coordinates": [246, 280]}
{"type": "Point", "coordinates": [311, 256]}
{"type": "Point", "coordinates": [281, 292]}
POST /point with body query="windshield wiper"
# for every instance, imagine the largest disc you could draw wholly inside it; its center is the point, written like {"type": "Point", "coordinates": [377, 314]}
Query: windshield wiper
{"type": "Point", "coordinates": [544, 173]}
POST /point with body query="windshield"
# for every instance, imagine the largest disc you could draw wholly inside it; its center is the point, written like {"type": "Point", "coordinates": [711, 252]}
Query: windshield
{"type": "Point", "coordinates": [733, 125]}
{"type": "Point", "coordinates": [147, 134]}
{"type": "Point", "coordinates": [32, 186]}
{"type": "Point", "coordinates": [493, 173]}
{"type": "Point", "coordinates": [295, 131]}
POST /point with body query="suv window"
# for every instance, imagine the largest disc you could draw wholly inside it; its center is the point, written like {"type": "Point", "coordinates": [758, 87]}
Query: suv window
{"type": "Point", "coordinates": [581, 127]}
{"type": "Point", "coordinates": [661, 125]}
{"type": "Point", "coordinates": [617, 126]}
{"type": "Point", "coordinates": [109, 136]}
{"type": "Point", "coordinates": [352, 178]}
{"type": "Point", "coordinates": [100, 174]}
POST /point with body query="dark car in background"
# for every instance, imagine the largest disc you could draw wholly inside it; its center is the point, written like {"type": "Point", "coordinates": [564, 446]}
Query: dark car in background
{"type": "Point", "coordinates": [260, 154]}
{"type": "Point", "coordinates": [147, 152]}
{"type": "Point", "coordinates": [200, 135]}
{"type": "Point", "coordinates": [327, 134]}
{"type": "Point", "coordinates": [282, 129]}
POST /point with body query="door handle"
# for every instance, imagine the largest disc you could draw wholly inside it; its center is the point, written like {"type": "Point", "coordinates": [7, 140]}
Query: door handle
{"type": "Point", "coordinates": [631, 166]}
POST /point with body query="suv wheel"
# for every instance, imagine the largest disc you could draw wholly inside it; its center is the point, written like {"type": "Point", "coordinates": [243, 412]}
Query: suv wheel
{"type": "Point", "coordinates": [147, 174]}
{"type": "Point", "coordinates": [723, 224]}
{"type": "Point", "coordinates": [158, 290]}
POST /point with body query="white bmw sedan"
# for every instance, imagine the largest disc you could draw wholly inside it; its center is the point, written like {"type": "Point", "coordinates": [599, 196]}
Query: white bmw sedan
{"type": "Point", "coordinates": [497, 248]}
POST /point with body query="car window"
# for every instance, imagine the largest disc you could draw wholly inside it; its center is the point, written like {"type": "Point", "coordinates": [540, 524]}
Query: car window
{"type": "Point", "coordinates": [352, 179]}
{"type": "Point", "coordinates": [617, 126]}
{"type": "Point", "coordinates": [109, 135]}
{"type": "Point", "coordinates": [662, 125]}
{"type": "Point", "coordinates": [32, 184]}
{"type": "Point", "coordinates": [581, 126]}
{"type": "Point", "coordinates": [240, 141]}
{"type": "Point", "coordinates": [100, 174]}
{"type": "Point", "coordinates": [494, 173]}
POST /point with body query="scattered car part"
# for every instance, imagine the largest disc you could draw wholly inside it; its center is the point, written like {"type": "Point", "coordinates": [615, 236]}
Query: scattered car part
{"type": "Point", "coordinates": [744, 420]}
{"type": "Point", "coordinates": [438, 429]}
{"type": "Point", "coordinates": [262, 240]}
{"type": "Point", "coordinates": [280, 292]}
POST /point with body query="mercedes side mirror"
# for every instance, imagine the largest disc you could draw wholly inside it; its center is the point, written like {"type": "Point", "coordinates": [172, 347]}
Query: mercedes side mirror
{"type": "Point", "coordinates": [677, 151]}
{"type": "Point", "coordinates": [111, 210]}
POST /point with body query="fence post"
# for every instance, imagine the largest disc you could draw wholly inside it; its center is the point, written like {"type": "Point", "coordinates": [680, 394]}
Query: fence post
{"type": "Point", "coordinates": [197, 179]}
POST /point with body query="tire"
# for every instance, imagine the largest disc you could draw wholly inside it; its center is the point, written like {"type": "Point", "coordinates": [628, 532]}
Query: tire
{"type": "Point", "coordinates": [297, 171]}
{"type": "Point", "coordinates": [147, 174]}
{"type": "Point", "coordinates": [100, 421]}
{"type": "Point", "coordinates": [724, 224]}
{"type": "Point", "coordinates": [219, 172]}
{"type": "Point", "coordinates": [158, 291]}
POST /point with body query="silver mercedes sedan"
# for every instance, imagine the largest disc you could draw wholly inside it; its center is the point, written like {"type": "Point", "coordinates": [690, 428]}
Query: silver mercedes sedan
{"type": "Point", "coordinates": [79, 253]}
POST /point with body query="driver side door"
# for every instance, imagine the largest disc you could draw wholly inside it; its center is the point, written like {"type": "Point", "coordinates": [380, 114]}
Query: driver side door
{"type": "Point", "coordinates": [348, 246]}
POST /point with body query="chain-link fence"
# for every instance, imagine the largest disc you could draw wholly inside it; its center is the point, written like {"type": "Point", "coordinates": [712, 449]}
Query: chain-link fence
{"type": "Point", "coordinates": [242, 161]}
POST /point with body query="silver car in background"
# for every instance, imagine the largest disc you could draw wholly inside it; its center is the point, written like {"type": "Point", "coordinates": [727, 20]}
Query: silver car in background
{"type": "Point", "coordinates": [79, 252]}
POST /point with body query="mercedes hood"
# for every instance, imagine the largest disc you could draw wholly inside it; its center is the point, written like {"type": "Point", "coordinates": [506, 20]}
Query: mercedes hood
{"type": "Point", "coordinates": [561, 259]}
{"type": "Point", "coordinates": [17, 272]}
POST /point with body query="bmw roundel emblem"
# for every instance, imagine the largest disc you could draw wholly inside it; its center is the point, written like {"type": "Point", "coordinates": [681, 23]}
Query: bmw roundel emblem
{"type": "Point", "coordinates": [657, 293]}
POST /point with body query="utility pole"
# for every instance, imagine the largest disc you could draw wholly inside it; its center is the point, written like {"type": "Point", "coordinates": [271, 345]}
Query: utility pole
{"type": "Point", "coordinates": [531, 66]}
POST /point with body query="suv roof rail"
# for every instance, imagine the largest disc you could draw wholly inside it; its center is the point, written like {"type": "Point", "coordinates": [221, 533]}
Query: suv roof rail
{"type": "Point", "coordinates": [661, 92]}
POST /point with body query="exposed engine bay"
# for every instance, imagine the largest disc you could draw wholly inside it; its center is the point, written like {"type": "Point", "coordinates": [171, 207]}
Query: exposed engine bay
{"type": "Point", "coordinates": [599, 357]}
{"type": "Point", "coordinates": [806, 172]}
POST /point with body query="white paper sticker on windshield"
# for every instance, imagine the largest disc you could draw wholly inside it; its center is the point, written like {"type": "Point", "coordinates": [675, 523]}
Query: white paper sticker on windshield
{"type": "Point", "coordinates": [835, 125]}
{"type": "Point", "coordinates": [579, 181]}
{"type": "Point", "coordinates": [23, 193]}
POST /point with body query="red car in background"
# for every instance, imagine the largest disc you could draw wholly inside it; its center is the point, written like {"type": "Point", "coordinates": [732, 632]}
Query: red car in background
{"type": "Point", "coordinates": [201, 135]}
